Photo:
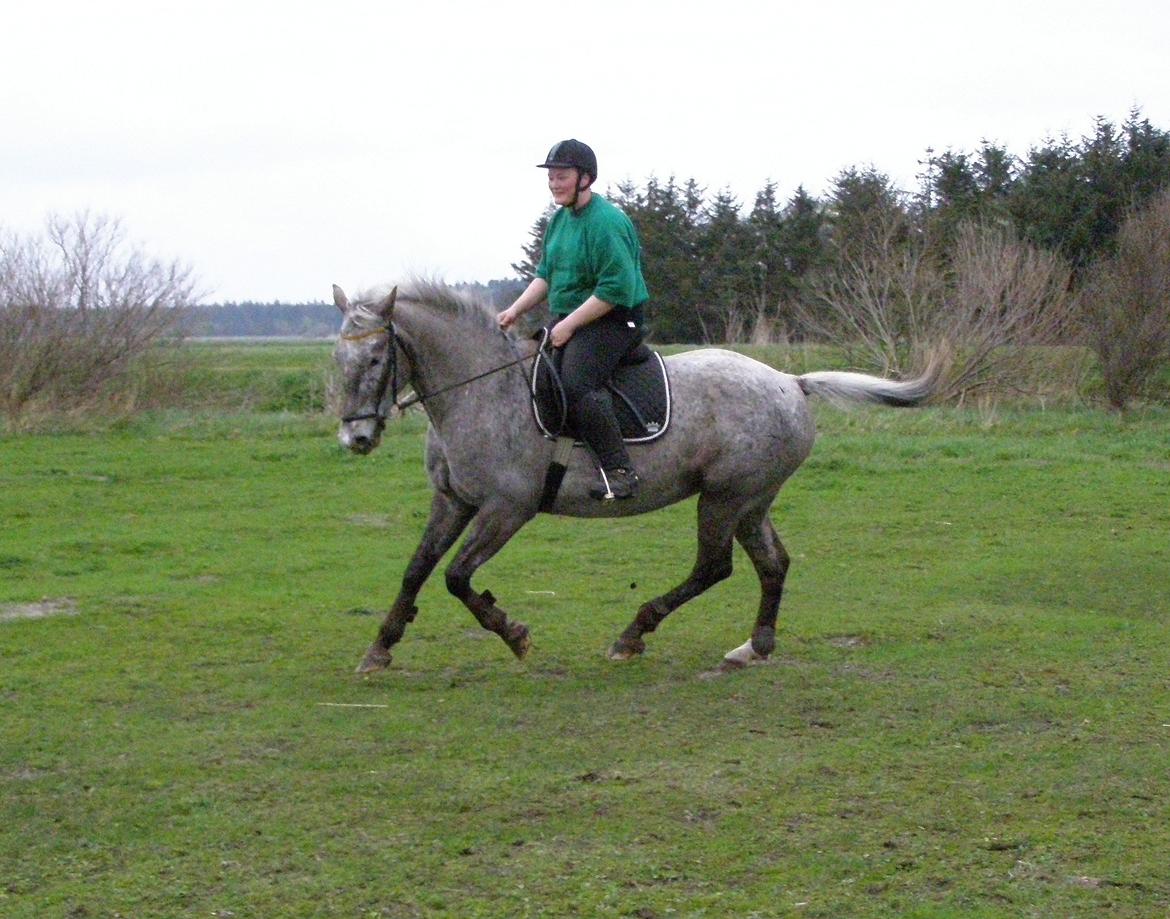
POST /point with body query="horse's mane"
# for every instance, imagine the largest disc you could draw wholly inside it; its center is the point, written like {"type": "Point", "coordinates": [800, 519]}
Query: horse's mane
{"type": "Point", "coordinates": [429, 294]}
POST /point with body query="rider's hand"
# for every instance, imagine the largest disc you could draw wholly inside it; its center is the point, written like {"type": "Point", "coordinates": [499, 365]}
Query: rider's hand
{"type": "Point", "coordinates": [561, 334]}
{"type": "Point", "coordinates": [506, 319]}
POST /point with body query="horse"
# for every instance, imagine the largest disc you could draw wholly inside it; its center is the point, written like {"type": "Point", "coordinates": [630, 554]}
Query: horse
{"type": "Point", "coordinates": [738, 430]}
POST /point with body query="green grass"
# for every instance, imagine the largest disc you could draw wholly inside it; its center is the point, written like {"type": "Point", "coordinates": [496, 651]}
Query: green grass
{"type": "Point", "coordinates": [967, 713]}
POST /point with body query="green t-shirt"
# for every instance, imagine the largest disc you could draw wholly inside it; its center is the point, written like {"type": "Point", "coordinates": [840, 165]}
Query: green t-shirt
{"type": "Point", "coordinates": [592, 251]}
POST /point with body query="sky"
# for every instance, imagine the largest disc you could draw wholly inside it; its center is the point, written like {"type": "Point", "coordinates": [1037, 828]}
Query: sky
{"type": "Point", "coordinates": [279, 148]}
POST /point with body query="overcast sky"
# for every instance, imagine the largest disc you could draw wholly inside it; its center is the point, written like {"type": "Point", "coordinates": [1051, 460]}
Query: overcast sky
{"type": "Point", "coordinates": [281, 147]}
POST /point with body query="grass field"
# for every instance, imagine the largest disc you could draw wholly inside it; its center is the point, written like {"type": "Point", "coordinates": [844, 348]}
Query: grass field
{"type": "Point", "coordinates": [968, 713]}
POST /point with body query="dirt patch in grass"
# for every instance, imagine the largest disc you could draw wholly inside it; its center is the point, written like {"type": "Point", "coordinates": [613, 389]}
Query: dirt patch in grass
{"type": "Point", "coordinates": [849, 641]}
{"type": "Point", "coordinates": [10, 612]}
{"type": "Point", "coordinates": [373, 521]}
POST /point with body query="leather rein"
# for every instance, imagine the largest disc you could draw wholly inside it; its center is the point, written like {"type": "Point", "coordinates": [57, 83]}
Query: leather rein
{"type": "Point", "coordinates": [389, 378]}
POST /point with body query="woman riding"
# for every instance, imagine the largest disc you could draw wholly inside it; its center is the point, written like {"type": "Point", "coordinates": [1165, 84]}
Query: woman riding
{"type": "Point", "coordinates": [591, 274]}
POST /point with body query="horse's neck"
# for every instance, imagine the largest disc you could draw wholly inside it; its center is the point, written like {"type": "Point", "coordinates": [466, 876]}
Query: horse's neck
{"type": "Point", "coordinates": [450, 350]}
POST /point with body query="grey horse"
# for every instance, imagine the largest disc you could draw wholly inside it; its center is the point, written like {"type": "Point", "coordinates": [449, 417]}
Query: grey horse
{"type": "Point", "coordinates": [738, 430]}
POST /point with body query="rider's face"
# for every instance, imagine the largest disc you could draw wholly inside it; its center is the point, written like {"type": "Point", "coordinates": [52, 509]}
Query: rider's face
{"type": "Point", "coordinates": [562, 182]}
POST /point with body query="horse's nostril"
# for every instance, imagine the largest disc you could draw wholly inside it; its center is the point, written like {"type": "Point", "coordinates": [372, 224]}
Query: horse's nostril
{"type": "Point", "coordinates": [361, 442]}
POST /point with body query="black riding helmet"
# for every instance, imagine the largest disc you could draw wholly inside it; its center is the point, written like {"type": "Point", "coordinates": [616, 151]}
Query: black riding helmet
{"type": "Point", "coordinates": [572, 154]}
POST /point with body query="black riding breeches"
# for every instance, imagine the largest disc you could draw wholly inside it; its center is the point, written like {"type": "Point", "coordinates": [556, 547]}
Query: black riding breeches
{"type": "Point", "coordinates": [585, 365]}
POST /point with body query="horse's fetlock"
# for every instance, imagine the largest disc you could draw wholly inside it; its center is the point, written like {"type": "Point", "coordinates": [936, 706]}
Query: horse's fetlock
{"type": "Point", "coordinates": [391, 633]}
{"type": "Point", "coordinates": [650, 614]}
{"type": "Point", "coordinates": [764, 640]}
{"type": "Point", "coordinates": [518, 639]}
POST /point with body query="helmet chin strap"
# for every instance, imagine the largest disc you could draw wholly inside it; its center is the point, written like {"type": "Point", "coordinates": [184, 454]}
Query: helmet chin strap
{"type": "Point", "coordinates": [578, 188]}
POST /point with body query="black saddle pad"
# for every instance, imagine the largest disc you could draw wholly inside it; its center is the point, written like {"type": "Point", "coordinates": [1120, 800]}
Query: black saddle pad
{"type": "Point", "coordinates": [640, 390]}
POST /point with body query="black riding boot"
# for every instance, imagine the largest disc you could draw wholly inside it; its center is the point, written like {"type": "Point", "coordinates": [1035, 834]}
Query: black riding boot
{"type": "Point", "coordinates": [596, 424]}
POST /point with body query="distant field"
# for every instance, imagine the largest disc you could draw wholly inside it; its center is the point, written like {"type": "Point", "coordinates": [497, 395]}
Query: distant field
{"type": "Point", "coordinates": [968, 713]}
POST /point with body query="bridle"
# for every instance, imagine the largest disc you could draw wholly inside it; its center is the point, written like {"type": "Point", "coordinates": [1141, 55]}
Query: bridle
{"type": "Point", "coordinates": [389, 377]}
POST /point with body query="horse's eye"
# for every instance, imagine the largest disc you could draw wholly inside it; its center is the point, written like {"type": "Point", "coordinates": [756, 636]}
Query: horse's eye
{"type": "Point", "coordinates": [375, 361]}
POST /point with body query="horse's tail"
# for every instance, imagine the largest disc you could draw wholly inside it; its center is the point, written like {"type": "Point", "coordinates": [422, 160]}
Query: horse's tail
{"type": "Point", "coordinates": [841, 386]}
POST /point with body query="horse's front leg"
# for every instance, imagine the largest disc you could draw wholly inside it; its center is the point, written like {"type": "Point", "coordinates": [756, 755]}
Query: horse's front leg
{"type": "Point", "coordinates": [449, 517]}
{"type": "Point", "coordinates": [491, 530]}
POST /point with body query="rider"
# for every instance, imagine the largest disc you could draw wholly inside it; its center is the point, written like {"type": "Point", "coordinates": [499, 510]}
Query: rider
{"type": "Point", "coordinates": [591, 274]}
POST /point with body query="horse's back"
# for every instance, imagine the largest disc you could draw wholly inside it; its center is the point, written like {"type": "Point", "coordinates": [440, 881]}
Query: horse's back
{"type": "Point", "coordinates": [751, 419]}
{"type": "Point", "coordinates": [735, 384]}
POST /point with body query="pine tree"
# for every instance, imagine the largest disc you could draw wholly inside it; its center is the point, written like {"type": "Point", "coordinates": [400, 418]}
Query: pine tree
{"type": "Point", "coordinates": [526, 268]}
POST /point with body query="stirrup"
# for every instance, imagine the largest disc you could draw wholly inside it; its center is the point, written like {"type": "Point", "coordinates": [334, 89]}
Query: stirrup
{"type": "Point", "coordinates": [615, 483]}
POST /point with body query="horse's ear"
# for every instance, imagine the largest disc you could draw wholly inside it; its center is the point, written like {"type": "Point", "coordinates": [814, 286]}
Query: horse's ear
{"type": "Point", "coordinates": [339, 298]}
{"type": "Point", "coordinates": [385, 309]}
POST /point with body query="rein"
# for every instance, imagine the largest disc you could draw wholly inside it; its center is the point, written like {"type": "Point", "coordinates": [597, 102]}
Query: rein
{"type": "Point", "coordinates": [389, 379]}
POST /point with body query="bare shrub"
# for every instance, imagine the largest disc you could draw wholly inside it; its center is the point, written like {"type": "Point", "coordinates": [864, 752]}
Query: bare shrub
{"type": "Point", "coordinates": [879, 296]}
{"type": "Point", "coordinates": [1126, 304]}
{"type": "Point", "coordinates": [78, 306]}
{"type": "Point", "coordinates": [992, 302]}
{"type": "Point", "coordinates": [753, 323]}
{"type": "Point", "coordinates": [1006, 303]}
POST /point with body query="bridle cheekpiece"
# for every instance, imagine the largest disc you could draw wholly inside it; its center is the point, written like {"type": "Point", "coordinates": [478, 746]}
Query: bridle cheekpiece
{"type": "Point", "coordinates": [387, 381]}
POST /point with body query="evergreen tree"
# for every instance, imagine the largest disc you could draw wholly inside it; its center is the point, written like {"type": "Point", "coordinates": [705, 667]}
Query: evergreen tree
{"type": "Point", "coordinates": [863, 211]}
{"type": "Point", "coordinates": [766, 224]}
{"type": "Point", "coordinates": [958, 187]}
{"type": "Point", "coordinates": [664, 215]}
{"type": "Point", "coordinates": [728, 267]}
{"type": "Point", "coordinates": [1073, 197]}
{"type": "Point", "coordinates": [526, 268]}
{"type": "Point", "coordinates": [803, 243]}
{"type": "Point", "coordinates": [804, 253]}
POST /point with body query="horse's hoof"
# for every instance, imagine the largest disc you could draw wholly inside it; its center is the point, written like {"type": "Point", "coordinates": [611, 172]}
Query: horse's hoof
{"type": "Point", "coordinates": [519, 641]}
{"type": "Point", "coordinates": [377, 658]}
{"type": "Point", "coordinates": [744, 656]}
{"type": "Point", "coordinates": [620, 651]}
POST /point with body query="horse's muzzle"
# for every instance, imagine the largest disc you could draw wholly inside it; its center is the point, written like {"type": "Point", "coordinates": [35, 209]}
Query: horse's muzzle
{"type": "Point", "coordinates": [359, 437]}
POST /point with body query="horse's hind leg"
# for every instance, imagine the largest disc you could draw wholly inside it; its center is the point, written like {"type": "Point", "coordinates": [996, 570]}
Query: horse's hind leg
{"type": "Point", "coordinates": [449, 517]}
{"type": "Point", "coordinates": [716, 528]}
{"type": "Point", "coordinates": [758, 538]}
{"type": "Point", "coordinates": [490, 531]}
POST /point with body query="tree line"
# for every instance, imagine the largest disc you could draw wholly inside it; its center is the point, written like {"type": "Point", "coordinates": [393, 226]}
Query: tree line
{"type": "Point", "coordinates": [713, 264]}
{"type": "Point", "coordinates": [990, 255]}
{"type": "Point", "coordinates": [318, 319]}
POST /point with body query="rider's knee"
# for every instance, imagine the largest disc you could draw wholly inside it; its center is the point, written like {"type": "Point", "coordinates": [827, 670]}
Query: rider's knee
{"type": "Point", "coordinates": [588, 401]}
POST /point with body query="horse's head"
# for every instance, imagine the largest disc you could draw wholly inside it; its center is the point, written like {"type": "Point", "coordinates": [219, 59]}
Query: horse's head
{"type": "Point", "coordinates": [367, 356]}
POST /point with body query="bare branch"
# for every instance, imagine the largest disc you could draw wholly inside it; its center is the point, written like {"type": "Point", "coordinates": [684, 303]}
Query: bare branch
{"type": "Point", "coordinates": [77, 307]}
{"type": "Point", "coordinates": [989, 300]}
{"type": "Point", "coordinates": [1126, 304]}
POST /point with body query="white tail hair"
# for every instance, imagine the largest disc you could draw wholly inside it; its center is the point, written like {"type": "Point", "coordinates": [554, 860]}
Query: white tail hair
{"type": "Point", "coordinates": [842, 386]}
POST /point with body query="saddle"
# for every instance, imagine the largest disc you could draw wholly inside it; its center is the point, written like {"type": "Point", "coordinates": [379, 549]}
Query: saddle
{"type": "Point", "coordinates": [640, 389]}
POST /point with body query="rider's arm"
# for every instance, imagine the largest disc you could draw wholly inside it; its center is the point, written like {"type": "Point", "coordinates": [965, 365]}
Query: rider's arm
{"type": "Point", "coordinates": [587, 312]}
{"type": "Point", "coordinates": [533, 295]}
